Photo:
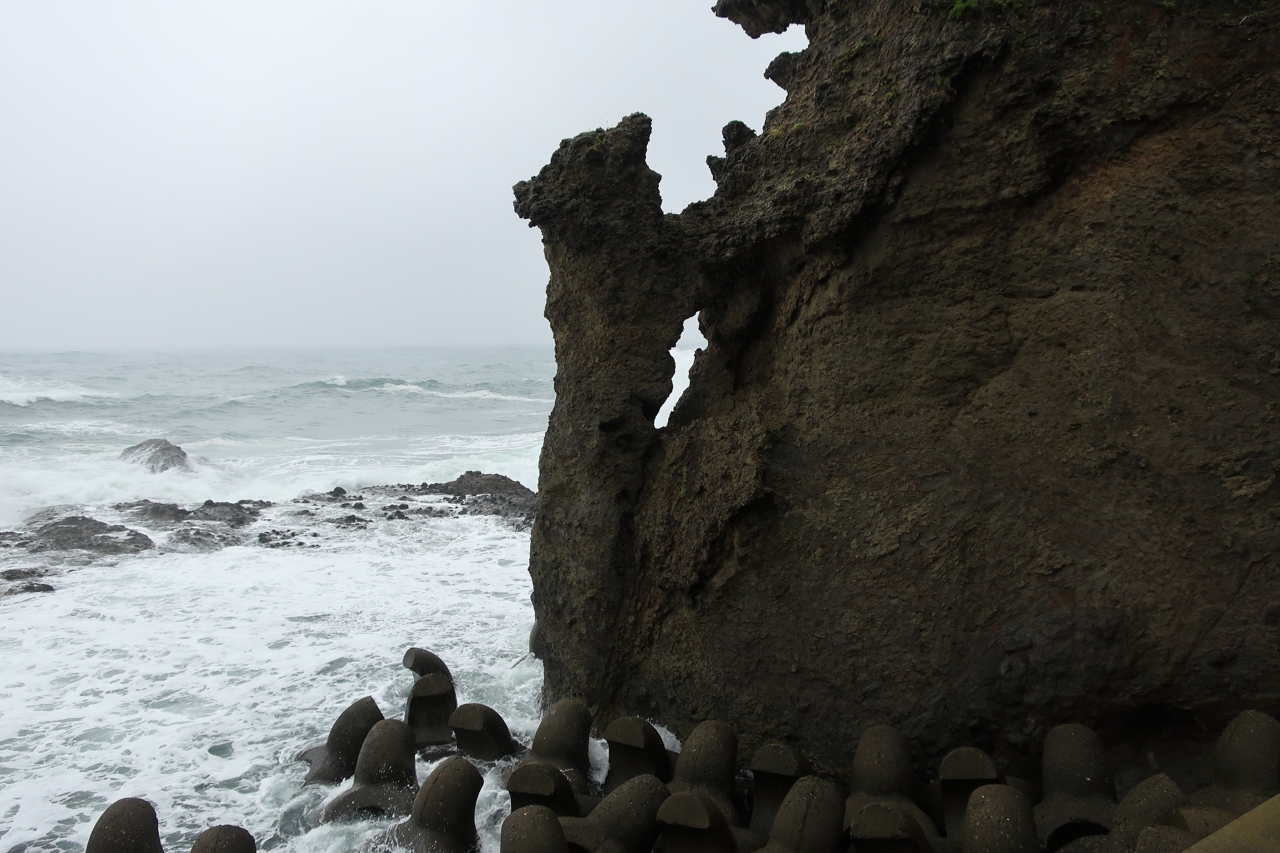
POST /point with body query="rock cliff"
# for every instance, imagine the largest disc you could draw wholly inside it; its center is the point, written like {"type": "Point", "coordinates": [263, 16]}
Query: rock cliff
{"type": "Point", "coordinates": [985, 435]}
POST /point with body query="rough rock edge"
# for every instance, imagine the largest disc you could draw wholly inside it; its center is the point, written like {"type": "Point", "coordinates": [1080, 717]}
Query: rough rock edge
{"type": "Point", "coordinates": [920, 148]}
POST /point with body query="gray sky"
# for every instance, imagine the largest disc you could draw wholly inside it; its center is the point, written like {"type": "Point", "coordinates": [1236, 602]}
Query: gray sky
{"type": "Point", "coordinates": [312, 172]}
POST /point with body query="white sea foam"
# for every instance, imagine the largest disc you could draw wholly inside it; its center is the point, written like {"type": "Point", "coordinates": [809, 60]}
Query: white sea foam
{"type": "Point", "coordinates": [479, 394]}
{"type": "Point", "coordinates": [20, 393]}
{"type": "Point", "coordinates": [123, 681]}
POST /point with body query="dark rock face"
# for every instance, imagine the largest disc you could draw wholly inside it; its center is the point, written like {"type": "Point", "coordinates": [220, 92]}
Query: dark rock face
{"type": "Point", "coordinates": [157, 454]}
{"type": "Point", "coordinates": [985, 437]}
{"type": "Point", "coordinates": [78, 533]}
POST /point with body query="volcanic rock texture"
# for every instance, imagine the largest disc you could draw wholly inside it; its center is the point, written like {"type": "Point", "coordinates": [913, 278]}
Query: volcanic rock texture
{"type": "Point", "coordinates": [985, 437]}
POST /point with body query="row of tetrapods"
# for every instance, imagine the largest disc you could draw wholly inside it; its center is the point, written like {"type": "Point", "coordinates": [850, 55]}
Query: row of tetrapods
{"type": "Point", "coordinates": [695, 801]}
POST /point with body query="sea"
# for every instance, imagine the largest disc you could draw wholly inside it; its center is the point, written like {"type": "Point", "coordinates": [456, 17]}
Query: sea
{"type": "Point", "coordinates": [192, 677]}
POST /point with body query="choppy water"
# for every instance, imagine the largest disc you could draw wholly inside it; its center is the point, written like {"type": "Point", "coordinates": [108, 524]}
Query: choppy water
{"type": "Point", "coordinates": [192, 679]}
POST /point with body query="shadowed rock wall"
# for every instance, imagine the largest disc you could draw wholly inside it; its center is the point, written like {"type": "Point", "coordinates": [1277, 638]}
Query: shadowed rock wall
{"type": "Point", "coordinates": [985, 437]}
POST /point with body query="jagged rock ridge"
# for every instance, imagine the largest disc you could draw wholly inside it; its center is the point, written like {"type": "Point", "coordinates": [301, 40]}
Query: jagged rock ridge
{"type": "Point", "coordinates": [985, 436]}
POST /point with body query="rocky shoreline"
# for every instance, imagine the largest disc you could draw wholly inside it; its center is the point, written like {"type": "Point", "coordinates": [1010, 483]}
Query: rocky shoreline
{"type": "Point", "coordinates": [57, 539]}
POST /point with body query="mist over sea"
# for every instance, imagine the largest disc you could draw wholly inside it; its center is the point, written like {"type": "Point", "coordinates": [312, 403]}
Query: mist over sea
{"type": "Point", "coordinates": [192, 678]}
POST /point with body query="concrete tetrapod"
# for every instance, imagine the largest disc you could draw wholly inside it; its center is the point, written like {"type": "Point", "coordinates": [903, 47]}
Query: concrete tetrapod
{"type": "Point", "coordinates": [1256, 831]}
{"type": "Point", "coordinates": [1246, 765]}
{"type": "Point", "coordinates": [1152, 801]}
{"type": "Point", "coordinates": [707, 764]}
{"type": "Point", "coordinates": [999, 820]}
{"type": "Point", "coordinates": [422, 662]}
{"type": "Point", "coordinates": [690, 823]}
{"type": "Point", "coordinates": [775, 769]}
{"type": "Point", "coordinates": [126, 826]}
{"type": "Point", "coordinates": [561, 741]}
{"type": "Point", "coordinates": [1200, 821]}
{"type": "Point", "coordinates": [1163, 839]}
{"type": "Point", "coordinates": [1079, 795]}
{"type": "Point", "coordinates": [431, 703]}
{"type": "Point", "coordinates": [386, 778]}
{"type": "Point", "coordinates": [810, 820]}
{"type": "Point", "coordinates": [443, 819]}
{"type": "Point", "coordinates": [537, 784]}
{"type": "Point", "coordinates": [881, 827]}
{"type": "Point", "coordinates": [225, 839]}
{"type": "Point", "coordinates": [626, 821]}
{"type": "Point", "coordinates": [882, 773]}
{"type": "Point", "coordinates": [963, 771]}
{"type": "Point", "coordinates": [532, 829]}
{"type": "Point", "coordinates": [335, 759]}
{"type": "Point", "coordinates": [481, 733]}
{"type": "Point", "coordinates": [635, 749]}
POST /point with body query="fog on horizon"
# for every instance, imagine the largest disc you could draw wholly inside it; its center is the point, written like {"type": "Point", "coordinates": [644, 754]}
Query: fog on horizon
{"type": "Point", "coordinates": [289, 173]}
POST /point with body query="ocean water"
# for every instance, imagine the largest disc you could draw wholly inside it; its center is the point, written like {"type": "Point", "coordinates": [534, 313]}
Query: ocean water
{"type": "Point", "coordinates": [192, 678]}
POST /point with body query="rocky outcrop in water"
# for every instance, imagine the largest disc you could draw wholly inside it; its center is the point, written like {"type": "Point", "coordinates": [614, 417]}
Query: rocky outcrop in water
{"type": "Point", "coordinates": [79, 533]}
{"type": "Point", "coordinates": [157, 454]}
{"type": "Point", "coordinates": [66, 536]}
{"type": "Point", "coordinates": [477, 483]}
{"type": "Point", "coordinates": [985, 437]}
{"type": "Point", "coordinates": [236, 514]}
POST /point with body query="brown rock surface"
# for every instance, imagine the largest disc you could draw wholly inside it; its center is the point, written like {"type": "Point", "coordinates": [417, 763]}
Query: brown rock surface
{"type": "Point", "coordinates": [985, 437]}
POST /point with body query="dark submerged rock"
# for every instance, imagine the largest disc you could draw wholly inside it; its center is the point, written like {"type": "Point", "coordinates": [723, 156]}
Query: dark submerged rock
{"type": "Point", "coordinates": [157, 454]}
{"type": "Point", "coordinates": [156, 513]}
{"type": "Point", "coordinates": [30, 586]}
{"type": "Point", "coordinates": [22, 574]}
{"type": "Point", "coordinates": [236, 514]}
{"type": "Point", "coordinates": [80, 533]}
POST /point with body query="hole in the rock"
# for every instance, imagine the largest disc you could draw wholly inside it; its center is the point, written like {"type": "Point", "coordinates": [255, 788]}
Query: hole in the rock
{"type": "Point", "coordinates": [721, 81]}
{"type": "Point", "coordinates": [691, 340]}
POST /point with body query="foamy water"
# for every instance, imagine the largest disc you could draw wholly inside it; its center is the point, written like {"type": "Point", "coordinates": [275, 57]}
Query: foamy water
{"type": "Point", "coordinates": [192, 679]}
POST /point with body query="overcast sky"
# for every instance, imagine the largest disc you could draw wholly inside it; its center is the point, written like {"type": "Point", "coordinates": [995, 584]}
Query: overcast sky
{"type": "Point", "coordinates": [302, 172]}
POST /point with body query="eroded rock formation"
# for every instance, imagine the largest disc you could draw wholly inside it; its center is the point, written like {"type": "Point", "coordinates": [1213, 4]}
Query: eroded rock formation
{"type": "Point", "coordinates": [985, 436]}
